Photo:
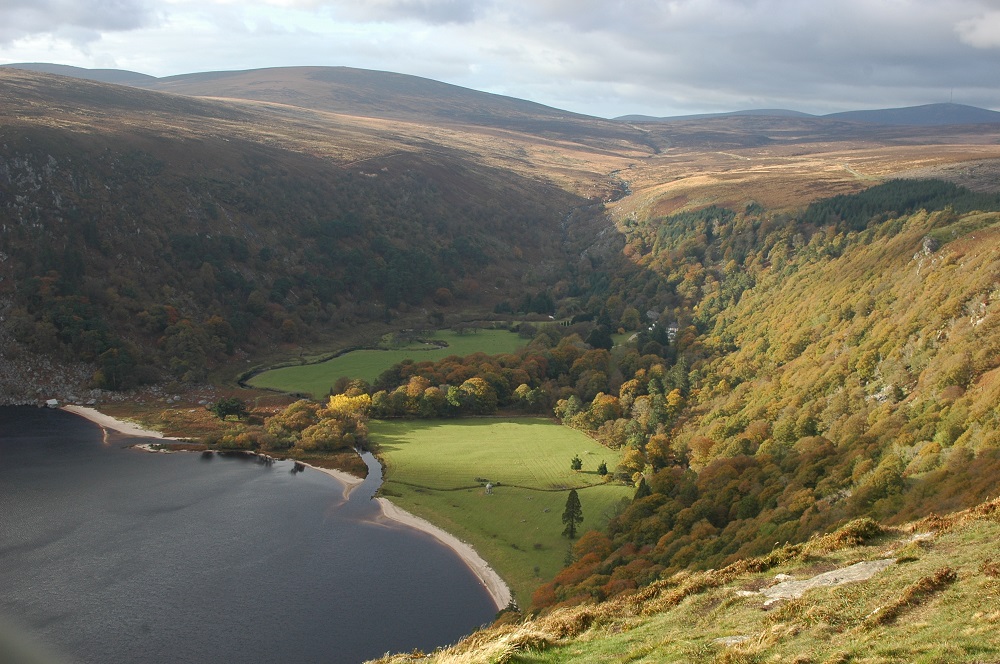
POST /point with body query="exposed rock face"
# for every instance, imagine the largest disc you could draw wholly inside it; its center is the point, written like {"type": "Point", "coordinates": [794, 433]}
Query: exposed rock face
{"type": "Point", "coordinates": [789, 588]}
{"type": "Point", "coordinates": [930, 245]}
{"type": "Point", "coordinates": [31, 379]}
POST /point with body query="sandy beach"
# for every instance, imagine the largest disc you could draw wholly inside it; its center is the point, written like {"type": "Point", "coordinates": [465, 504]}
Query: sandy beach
{"type": "Point", "coordinates": [108, 422]}
{"type": "Point", "coordinates": [496, 587]}
{"type": "Point", "coordinates": [349, 481]}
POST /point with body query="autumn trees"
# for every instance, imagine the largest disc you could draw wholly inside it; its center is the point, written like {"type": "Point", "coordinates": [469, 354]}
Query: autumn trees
{"type": "Point", "coordinates": [856, 378]}
{"type": "Point", "coordinates": [305, 426]}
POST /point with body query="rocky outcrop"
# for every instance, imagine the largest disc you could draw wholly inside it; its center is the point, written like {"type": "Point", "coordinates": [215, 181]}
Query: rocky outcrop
{"type": "Point", "coordinates": [27, 378]}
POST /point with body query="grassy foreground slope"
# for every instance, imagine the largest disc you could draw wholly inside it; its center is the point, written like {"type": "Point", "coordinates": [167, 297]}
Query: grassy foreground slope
{"type": "Point", "coordinates": [934, 598]}
{"type": "Point", "coordinates": [317, 379]}
{"type": "Point", "coordinates": [433, 469]}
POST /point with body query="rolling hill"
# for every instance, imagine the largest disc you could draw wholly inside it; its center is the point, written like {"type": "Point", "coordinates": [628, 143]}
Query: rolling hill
{"type": "Point", "coordinates": [366, 93]}
{"type": "Point", "coordinates": [925, 115]}
{"type": "Point", "coordinates": [116, 76]}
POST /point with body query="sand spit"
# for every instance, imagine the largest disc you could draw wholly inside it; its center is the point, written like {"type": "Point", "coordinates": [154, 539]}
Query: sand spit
{"type": "Point", "coordinates": [349, 481]}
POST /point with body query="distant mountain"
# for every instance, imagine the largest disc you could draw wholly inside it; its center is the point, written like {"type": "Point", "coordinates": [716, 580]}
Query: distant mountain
{"type": "Point", "coordinates": [349, 90]}
{"type": "Point", "coordinates": [757, 112]}
{"type": "Point", "coordinates": [389, 95]}
{"type": "Point", "coordinates": [928, 115]}
{"type": "Point", "coordinates": [380, 94]}
{"type": "Point", "coordinates": [366, 93]}
{"type": "Point", "coordinates": [116, 76]}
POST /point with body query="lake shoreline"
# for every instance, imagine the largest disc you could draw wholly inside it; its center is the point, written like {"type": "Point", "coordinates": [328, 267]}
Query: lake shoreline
{"type": "Point", "coordinates": [115, 424]}
{"type": "Point", "coordinates": [498, 590]}
{"type": "Point", "coordinates": [494, 584]}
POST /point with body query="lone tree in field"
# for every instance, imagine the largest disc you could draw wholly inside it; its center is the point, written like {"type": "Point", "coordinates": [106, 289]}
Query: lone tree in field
{"type": "Point", "coordinates": [576, 463]}
{"type": "Point", "coordinates": [229, 406]}
{"type": "Point", "coordinates": [602, 469]}
{"type": "Point", "coordinates": [573, 515]}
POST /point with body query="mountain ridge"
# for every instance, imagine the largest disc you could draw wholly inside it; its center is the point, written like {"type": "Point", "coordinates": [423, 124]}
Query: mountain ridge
{"type": "Point", "coordinates": [369, 93]}
{"type": "Point", "coordinates": [924, 115]}
{"type": "Point", "coordinates": [463, 104]}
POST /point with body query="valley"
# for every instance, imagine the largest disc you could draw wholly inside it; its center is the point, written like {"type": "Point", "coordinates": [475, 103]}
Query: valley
{"type": "Point", "coordinates": [772, 328]}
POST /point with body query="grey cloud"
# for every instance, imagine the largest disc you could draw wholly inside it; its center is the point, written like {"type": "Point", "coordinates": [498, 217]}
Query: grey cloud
{"type": "Point", "coordinates": [614, 56]}
{"type": "Point", "coordinates": [773, 51]}
{"type": "Point", "coordinates": [435, 12]}
{"type": "Point", "coordinates": [23, 18]}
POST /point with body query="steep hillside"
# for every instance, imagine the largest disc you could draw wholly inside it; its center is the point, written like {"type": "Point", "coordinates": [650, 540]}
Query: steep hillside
{"type": "Point", "coordinates": [820, 368]}
{"type": "Point", "coordinates": [835, 364]}
{"type": "Point", "coordinates": [144, 231]}
{"type": "Point", "coordinates": [924, 592]}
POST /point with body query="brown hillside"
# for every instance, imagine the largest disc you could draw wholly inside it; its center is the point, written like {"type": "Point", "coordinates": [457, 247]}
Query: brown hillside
{"type": "Point", "coordinates": [379, 94]}
{"type": "Point", "coordinates": [785, 163]}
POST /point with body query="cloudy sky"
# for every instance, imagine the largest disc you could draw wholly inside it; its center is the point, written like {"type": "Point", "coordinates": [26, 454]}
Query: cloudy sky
{"type": "Point", "coordinates": [602, 57]}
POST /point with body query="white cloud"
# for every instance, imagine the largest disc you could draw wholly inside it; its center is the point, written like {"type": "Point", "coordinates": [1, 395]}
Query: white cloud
{"type": "Point", "coordinates": [982, 31]}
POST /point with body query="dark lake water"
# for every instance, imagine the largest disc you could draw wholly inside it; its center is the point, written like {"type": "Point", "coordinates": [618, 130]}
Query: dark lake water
{"type": "Point", "coordinates": [109, 554]}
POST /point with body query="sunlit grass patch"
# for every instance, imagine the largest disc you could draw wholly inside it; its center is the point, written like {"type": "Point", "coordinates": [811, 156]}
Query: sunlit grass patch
{"type": "Point", "coordinates": [438, 470]}
{"type": "Point", "coordinates": [317, 379]}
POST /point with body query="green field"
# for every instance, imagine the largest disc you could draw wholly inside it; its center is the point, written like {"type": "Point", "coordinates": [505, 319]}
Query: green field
{"type": "Point", "coordinates": [317, 379]}
{"type": "Point", "coordinates": [622, 339]}
{"type": "Point", "coordinates": [432, 469]}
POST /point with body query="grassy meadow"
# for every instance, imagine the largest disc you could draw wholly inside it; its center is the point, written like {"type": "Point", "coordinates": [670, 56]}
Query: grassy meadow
{"type": "Point", "coordinates": [432, 469]}
{"type": "Point", "coordinates": [317, 379]}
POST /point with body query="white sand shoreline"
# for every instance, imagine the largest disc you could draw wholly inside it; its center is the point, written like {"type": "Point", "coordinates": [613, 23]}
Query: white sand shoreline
{"type": "Point", "coordinates": [113, 423]}
{"type": "Point", "coordinates": [495, 586]}
{"type": "Point", "coordinates": [492, 581]}
{"type": "Point", "coordinates": [349, 481]}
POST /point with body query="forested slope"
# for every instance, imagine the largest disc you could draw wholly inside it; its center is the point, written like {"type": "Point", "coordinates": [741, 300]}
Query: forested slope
{"type": "Point", "coordinates": [155, 236]}
{"type": "Point", "coordinates": [831, 373]}
{"type": "Point", "coordinates": [781, 375]}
